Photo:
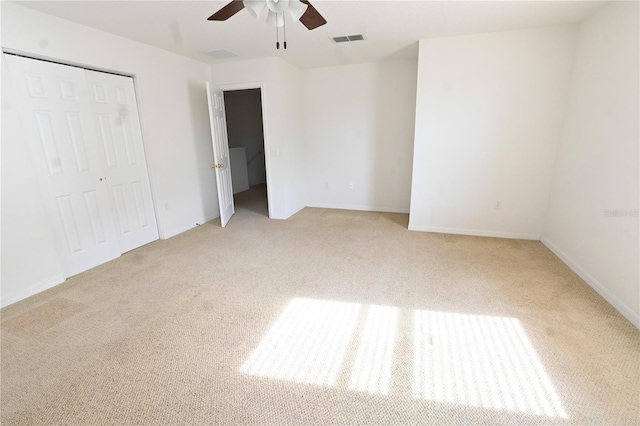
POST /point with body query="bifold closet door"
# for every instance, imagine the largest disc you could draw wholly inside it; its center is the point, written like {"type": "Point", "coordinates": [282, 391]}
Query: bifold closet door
{"type": "Point", "coordinates": [56, 112]}
{"type": "Point", "coordinates": [115, 113]}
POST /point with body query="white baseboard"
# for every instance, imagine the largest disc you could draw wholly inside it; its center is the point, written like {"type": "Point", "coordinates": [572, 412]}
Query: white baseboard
{"type": "Point", "coordinates": [358, 208]}
{"type": "Point", "coordinates": [34, 289]}
{"type": "Point", "coordinates": [298, 210]}
{"type": "Point", "coordinates": [475, 232]}
{"type": "Point", "coordinates": [209, 218]}
{"type": "Point", "coordinates": [602, 290]}
{"type": "Point", "coordinates": [177, 231]}
{"type": "Point", "coordinates": [286, 216]}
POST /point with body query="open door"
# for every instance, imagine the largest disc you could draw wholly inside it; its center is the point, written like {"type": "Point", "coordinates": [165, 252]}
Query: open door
{"type": "Point", "coordinates": [220, 142]}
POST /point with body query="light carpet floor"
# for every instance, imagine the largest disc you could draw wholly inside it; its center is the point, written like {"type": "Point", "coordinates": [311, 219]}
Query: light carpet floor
{"type": "Point", "coordinates": [330, 317]}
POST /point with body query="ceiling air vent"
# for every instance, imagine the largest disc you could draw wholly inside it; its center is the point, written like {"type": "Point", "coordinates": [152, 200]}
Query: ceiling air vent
{"type": "Point", "coordinates": [222, 54]}
{"type": "Point", "coordinates": [346, 38]}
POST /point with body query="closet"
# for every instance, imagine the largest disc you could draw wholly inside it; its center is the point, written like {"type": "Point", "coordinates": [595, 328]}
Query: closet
{"type": "Point", "coordinates": [85, 141]}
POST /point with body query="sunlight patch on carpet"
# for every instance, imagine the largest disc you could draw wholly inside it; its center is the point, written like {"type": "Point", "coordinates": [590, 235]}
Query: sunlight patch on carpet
{"type": "Point", "coordinates": [307, 344]}
{"type": "Point", "coordinates": [372, 367]}
{"type": "Point", "coordinates": [474, 360]}
{"type": "Point", "coordinates": [481, 361]}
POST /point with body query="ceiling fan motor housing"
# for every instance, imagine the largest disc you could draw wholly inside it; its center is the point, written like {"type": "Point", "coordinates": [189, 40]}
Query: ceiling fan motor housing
{"type": "Point", "coordinates": [300, 10]}
{"type": "Point", "coordinates": [277, 6]}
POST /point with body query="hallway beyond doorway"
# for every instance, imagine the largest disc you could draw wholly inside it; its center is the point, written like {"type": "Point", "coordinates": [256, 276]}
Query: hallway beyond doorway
{"type": "Point", "coordinates": [253, 200]}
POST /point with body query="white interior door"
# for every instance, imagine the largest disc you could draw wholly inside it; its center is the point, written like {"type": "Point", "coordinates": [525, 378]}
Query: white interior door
{"type": "Point", "coordinates": [119, 135]}
{"type": "Point", "coordinates": [220, 142]}
{"type": "Point", "coordinates": [55, 110]}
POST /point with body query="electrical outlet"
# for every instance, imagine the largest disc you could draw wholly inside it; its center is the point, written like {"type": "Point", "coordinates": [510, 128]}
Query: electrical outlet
{"type": "Point", "coordinates": [498, 205]}
{"type": "Point", "coordinates": [350, 185]}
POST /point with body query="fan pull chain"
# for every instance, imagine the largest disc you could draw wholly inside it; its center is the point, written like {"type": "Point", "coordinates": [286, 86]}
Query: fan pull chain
{"type": "Point", "coordinates": [284, 30]}
{"type": "Point", "coordinates": [277, 35]}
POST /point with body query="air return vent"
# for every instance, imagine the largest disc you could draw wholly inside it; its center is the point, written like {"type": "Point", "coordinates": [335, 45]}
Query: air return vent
{"type": "Point", "coordinates": [346, 38]}
{"type": "Point", "coordinates": [222, 53]}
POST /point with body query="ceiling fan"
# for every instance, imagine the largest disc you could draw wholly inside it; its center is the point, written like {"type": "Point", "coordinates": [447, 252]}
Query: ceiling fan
{"type": "Point", "coordinates": [300, 10]}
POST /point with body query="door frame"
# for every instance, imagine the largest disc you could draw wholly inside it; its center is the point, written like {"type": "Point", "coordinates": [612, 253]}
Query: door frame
{"type": "Point", "coordinates": [262, 86]}
{"type": "Point", "coordinates": [55, 60]}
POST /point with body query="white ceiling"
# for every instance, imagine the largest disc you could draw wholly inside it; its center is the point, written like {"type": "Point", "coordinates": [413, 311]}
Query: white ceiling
{"type": "Point", "coordinates": [391, 27]}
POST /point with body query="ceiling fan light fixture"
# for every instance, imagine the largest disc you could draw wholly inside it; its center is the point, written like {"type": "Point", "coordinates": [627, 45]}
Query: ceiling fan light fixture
{"type": "Point", "coordinates": [255, 7]}
{"type": "Point", "coordinates": [277, 6]}
{"type": "Point", "coordinates": [300, 10]}
{"type": "Point", "coordinates": [297, 9]}
{"type": "Point", "coordinates": [275, 19]}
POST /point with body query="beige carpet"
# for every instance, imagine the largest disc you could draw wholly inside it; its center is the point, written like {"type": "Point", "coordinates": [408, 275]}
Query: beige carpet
{"type": "Point", "coordinates": [330, 317]}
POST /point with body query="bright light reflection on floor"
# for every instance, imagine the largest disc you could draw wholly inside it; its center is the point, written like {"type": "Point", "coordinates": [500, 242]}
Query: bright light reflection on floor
{"type": "Point", "coordinates": [307, 344]}
{"type": "Point", "coordinates": [475, 360]}
{"type": "Point", "coordinates": [480, 361]}
{"type": "Point", "coordinates": [372, 367]}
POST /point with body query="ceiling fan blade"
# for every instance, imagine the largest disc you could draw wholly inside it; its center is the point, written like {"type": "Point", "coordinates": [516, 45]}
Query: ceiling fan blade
{"type": "Point", "coordinates": [228, 11]}
{"type": "Point", "coordinates": [312, 18]}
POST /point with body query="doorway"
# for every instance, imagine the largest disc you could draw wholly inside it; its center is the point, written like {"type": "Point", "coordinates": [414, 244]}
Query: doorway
{"type": "Point", "coordinates": [245, 130]}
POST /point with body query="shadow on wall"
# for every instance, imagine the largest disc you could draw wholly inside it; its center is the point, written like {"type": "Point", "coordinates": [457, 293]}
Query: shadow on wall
{"type": "Point", "coordinates": [392, 127]}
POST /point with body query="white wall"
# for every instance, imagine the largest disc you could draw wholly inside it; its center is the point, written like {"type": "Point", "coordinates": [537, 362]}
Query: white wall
{"type": "Point", "coordinates": [489, 115]}
{"type": "Point", "coordinates": [288, 127]}
{"type": "Point", "coordinates": [174, 117]}
{"type": "Point", "coordinates": [243, 109]}
{"type": "Point", "coordinates": [597, 165]}
{"type": "Point", "coordinates": [359, 123]}
{"type": "Point", "coordinates": [282, 100]}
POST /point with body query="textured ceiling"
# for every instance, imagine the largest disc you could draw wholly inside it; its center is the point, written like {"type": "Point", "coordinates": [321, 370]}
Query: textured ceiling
{"type": "Point", "coordinates": [391, 27]}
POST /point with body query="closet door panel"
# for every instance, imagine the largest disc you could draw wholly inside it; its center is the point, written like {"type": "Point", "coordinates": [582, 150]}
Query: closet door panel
{"type": "Point", "coordinates": [56, 113]}
{"type": "Point", "coordinates": [120, 136]}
